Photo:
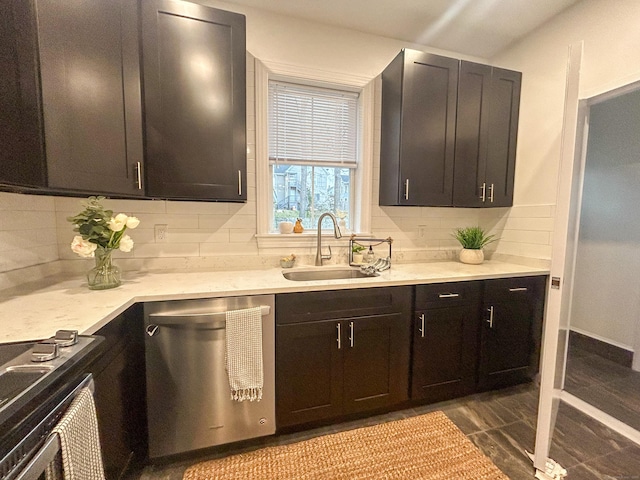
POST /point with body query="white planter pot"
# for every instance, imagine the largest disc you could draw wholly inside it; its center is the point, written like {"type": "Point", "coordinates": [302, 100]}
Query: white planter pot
{"type": "Point", "coordinates": [472, 257]}
{"type": "Point", "coordinates": [357, 258]}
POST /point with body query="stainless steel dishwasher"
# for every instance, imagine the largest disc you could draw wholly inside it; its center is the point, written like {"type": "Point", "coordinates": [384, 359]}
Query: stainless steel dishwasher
{"type": "Point", "coordinates": [189, 404]}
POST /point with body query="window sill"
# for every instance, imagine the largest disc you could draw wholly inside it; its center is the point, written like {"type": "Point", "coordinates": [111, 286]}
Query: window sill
{"type": "Point", "coordinates": [300, 240]}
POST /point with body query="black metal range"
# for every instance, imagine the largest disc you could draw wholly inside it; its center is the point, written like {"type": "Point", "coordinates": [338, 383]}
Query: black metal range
{"type": "Point", "coordinates": [36, 379]}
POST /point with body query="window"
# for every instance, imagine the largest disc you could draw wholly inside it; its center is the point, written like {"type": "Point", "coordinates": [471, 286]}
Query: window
{"type": "Point", "coordinates": [313, 151]}
{"type": "Point", "coordinates": [319, 158]}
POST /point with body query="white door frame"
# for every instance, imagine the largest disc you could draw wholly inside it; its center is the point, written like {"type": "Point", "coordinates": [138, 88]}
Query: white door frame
{"type": "Point", "coordinates": [565, 240]}
{"type": "Point", "coordinates": [562, 264]}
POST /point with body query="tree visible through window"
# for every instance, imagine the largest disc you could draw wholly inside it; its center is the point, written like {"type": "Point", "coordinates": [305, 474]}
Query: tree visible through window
{"type": "Point", "coordinates": [313, 151]}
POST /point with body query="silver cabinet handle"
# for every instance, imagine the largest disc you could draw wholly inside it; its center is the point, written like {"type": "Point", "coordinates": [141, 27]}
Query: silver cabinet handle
{"type": "Point", "coordinates": [339, 336]}
{"type": "Point", "coordinates": [490, 321]}
{"type": "Point", "coordinates": [491, 194]}
{"type": "Point", "coordinates": [422, 325]}
{"type": "Point", "coordinates": [449, 295]}
{"type": "Point", "coordinates": [406, 189]}
{"type": "Point", "coordinates": [152, 330]}
{"type": "Point", "coordinates": [518, 289]}
{"type": "Point", "coordinates": [139, 175]}
{"type": "Point", "coordinates": [239, 182]}
{"type": "Point", "coordinates": [483, 189]}
{"type": "Point", "coordinates": [351, 339]}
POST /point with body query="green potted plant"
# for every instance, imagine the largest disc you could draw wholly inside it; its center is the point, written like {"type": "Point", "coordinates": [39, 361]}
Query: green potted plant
{"type": "Point", "coordinates": [473, 240]}
{"type": "Point", "coordinates": [356, 252]}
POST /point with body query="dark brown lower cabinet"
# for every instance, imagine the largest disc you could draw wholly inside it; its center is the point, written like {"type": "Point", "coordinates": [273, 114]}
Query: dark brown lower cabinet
{"type": "Point", "coordinates": [329, 367]}
{"type": "Point", "coordinates": [445, 340]}
{"type": "Point", "coordinates": [511, 331]}
{"type": "Point", "coordinates": [309, 372]}
{"type": "Point", "coordinates": [120, 393]}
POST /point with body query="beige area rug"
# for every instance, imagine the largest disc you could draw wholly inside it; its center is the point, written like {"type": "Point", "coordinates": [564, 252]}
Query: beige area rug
{"type": "Point", "coordinates": [428, 447]}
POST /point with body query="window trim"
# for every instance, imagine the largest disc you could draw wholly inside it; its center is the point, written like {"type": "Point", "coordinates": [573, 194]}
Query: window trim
{"type": "Point", "coordinates": [265, 70]}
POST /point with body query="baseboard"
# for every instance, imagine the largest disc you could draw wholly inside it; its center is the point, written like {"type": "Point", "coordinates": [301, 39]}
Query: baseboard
{"type": "Point", "coordinates": [593, 345]}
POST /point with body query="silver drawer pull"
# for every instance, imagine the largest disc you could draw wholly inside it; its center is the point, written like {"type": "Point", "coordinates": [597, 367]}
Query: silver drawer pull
{"type": "Point", "coordinates": [339, 336]}
{"type": "Point", "coordinates": [139, 175]}
{"type": "Point", "coordinates": [422, 325]}
{"type": "Point", "coordinates": [448, 295]}
{"type": "Point", "coordinates": [490, 320]}
{"type": "Point", "coordinates": [518, 289]}
{"type": "Point", "coordinates": [351, 336]}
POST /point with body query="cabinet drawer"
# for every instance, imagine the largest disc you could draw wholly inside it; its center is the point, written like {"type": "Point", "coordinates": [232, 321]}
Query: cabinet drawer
{"type": "Point", "coordinates": [335, 304]}
{"type": "Point", "coordinates": [447, 294]}
{"type": "Point", "coordinates": [516, 287]}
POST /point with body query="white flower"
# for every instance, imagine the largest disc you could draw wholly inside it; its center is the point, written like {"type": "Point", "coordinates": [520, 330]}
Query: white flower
{"type": "Point", "coordinates": [132, 222]}
{"type": "Point", "coordinates": [118, 222]}
{"type": "Point", "coordinates": [82, 247]}
{"type": "Point", "coordinates": [126, 243]}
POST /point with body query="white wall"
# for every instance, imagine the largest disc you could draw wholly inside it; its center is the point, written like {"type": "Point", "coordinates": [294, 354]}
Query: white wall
{"type": "Point", "coordinates": [611, 37]}
{"type": "Point", "coordinates": [606, 300]}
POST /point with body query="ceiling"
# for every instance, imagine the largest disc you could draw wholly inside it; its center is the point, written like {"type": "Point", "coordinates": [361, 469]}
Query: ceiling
{"type": "Point", "coordinates": [479, 28]}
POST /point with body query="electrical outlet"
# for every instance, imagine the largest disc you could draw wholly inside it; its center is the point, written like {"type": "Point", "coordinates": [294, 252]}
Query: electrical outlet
{"type": "Point", "coordinates": [160, 233]}
{"type": "Point", "coordinates": [422, 231]}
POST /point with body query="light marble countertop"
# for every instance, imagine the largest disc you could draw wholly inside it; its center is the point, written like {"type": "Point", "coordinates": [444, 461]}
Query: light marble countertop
{"type": "Point", "coordinates": [37, 310]}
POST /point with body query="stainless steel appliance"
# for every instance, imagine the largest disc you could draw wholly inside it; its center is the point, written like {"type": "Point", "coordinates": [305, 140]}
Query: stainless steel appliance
{"type": "Point", "coordinates": [189, 404]}
{"type": "Point", "coordinates": [38, 381]}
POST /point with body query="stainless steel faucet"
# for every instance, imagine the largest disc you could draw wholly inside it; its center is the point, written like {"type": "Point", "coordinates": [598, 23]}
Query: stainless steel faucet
{"type": "Point", "coordinates": [336, 233]}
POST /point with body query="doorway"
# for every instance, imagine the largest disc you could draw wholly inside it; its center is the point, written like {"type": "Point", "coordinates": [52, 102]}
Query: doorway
{"type": "Point", "coordinates": [604, 318]}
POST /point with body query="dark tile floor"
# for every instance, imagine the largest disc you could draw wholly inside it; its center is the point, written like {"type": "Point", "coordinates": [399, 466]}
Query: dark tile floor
{"type": "Point", "coordinates": [607, 385]}
{"type": "Point", "coordinates": [502, 425]}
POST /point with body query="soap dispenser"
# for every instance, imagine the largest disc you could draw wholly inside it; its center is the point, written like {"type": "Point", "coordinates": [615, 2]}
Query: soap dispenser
{"type": "Point", "coordinates": [370, 257]}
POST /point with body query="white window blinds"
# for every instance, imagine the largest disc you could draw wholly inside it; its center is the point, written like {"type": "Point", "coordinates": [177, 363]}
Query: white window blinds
{"type": "Point", "coordinates": [312, 125]}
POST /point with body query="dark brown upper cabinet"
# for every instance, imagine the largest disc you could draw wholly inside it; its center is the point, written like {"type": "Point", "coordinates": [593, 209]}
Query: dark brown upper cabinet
{"type": "Point", "coordinates": [419, 96]}
{"type": "Point", "coordinates": [448, 132]}
{"type": "Point", "coordinates": [71, 111]}
{"type": "Point", "coordinates": [194, 77]}
{"type": "Point", "coordinates": [486, 134]}
{"type": "Point", "coordinates": [22, 157]}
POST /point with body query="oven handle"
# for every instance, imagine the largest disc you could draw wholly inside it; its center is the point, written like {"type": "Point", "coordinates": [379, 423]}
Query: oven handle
{"type": "Point", "coordinates": [43, 457]}
{"type": "Point", "coordinates": [47, 453]}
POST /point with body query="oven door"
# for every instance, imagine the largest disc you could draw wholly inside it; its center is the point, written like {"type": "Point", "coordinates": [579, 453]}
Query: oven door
{"type": "Point", "coordinates": [31, 446]}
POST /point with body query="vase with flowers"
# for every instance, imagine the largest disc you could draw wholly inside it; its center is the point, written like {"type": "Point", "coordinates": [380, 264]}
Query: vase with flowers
{"type": "Point", "coordinates": [99, 234]}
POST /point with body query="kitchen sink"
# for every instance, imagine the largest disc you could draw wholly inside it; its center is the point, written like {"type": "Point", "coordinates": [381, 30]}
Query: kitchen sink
{"type": "Point", "coordinates": [329, 274]}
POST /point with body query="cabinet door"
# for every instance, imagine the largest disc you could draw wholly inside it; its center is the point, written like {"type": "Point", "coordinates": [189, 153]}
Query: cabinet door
{"type": "Point", "coordinates": [445, 341]}
{"type": "Point", "coordinates": [472, 134]}
{"type": "Point", "coordinates": [309, 372]}
{"type": "Point", "coordinates": [89, 66]}
{"type": "Point", "coordinates": [22, 160]}
{"type": "Point", "coordinates": [428, 129]}
{"type": "Point", "coordinates": [376, 362]}
{"type": "Point", "coordinates": [120, 393]}
{"type": "Point", "coordinates": [195, 105]}
{"type": "Point", "coordinates": [419, 93]}
{"type": "Point", "coordinates": [512, 319]}
{"type": "Point", "coordinates": [503, 132]}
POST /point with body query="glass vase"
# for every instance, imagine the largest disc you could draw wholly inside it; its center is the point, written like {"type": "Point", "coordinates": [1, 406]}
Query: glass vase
{"type": "Point", "coordinates": [105, 274]}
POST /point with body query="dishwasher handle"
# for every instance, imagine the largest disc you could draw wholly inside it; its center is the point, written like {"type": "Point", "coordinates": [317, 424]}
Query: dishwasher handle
{"type": "Point", "coordinates": [212, 320]}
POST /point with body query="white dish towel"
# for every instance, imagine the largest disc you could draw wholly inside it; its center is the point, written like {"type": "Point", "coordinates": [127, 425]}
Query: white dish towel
{"type": "Point", "coordinates": [79, 441]}
{"type": "Point", "coordinates": [244, 354]}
